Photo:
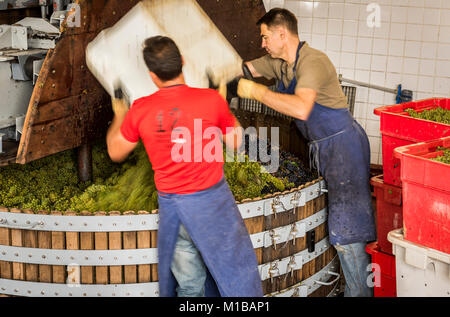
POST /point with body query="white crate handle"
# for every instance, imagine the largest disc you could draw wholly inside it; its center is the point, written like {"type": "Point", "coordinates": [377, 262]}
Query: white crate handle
{"type": "Point", "coordinates": [338, 276]}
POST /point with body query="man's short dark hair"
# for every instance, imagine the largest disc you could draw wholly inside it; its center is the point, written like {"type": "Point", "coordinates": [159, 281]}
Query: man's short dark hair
{"type": "Point", "coordinates": [163, 57]}
{"type": "Point", "coordinates": [279, 16]}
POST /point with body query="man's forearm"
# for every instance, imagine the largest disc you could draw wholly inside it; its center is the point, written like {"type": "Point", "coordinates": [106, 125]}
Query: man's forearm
{"type": "Point", "coordinates": [290, 105]}
{"type": "Point", "coordinates": [233, 140]}
{"type": "Point", "coordinates": [114, 129]}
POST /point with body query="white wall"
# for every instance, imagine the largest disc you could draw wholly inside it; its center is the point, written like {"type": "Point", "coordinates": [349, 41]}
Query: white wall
{"type": "Point", "coordinates": [411, 47]}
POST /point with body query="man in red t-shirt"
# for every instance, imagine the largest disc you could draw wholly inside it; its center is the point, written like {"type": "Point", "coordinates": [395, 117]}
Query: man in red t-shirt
{"type": "Point", "coordinates": [203, 244]}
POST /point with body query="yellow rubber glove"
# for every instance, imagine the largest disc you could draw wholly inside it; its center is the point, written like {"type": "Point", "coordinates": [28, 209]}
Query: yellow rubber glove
{"type": "Point", "coordinates": [250, 90]}
{"type": "Point", "coordinates": [119, 106]}
{"type": "Point", "coordinates": [223, 90]}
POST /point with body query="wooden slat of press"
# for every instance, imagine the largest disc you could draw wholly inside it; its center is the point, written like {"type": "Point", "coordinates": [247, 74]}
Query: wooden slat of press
{"type": "Point", "coordinates": [17, 241]}
{"type": "Point", "coordinates": [144, 242]}
{"type": "Point", "coordinates": [44, 242]}
{"type": "Point", "coordinates": [30, 241]}
{"type": "Point", "coordinates": [322, 201]}
{"type": "Point", "coordinates": [129, 242]}
{"type": "Point", "coordinates": [323, 261]}
{"type": "Point", "coordinates": [72, 243]}
{"type": "Point", "coordinates": [87, 243]}
{"type": "Point", "coordinates": [321, 232]}
{"type": "Point", "coordinates": [300, 243]}
{"type": "Point", "coordinates": [101, 243]}
{"type": "Point", "coordinates": [115, 243]}
{"type": "Point", "coordinates": [284, 281]}
{"type": "Point", "coordinates": [309, 268]}
{"type": "Point", "coordinates": [282, 250]}
{"type": "Point", "coordinates": [256, 225]}
{"type": "Point", "coordinates": [58, 240]}
{"type": "Point", "coordinates": [5, 239]}
{"type": "Point", "coordinates": [267, 287]}
{"type": "Point", "coordinates": [154, 244]}
{"type": "Point", "coordinates": [270, 222]}
{"type": "Point", "coordinates": [310, 208]}
{"type": "Point", "coordinates": [288, 279]}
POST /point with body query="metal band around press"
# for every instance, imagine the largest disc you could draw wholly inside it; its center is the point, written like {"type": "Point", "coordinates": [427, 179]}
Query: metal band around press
{"type": "Point", "coordinates": [79, 257]}
{"type": "Point", "coordinates": [79, 223]}
{"type": "Point", "coordinates": [282, 202]}
{"type": "Point", "coordinates": [35, 289]}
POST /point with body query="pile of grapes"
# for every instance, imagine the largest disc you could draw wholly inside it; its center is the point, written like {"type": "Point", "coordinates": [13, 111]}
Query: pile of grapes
{"type": "Point", "coordinates": [445, 157]}
{"type": "Point", "coordinates": [439, 114]}
{"type": "Point", "coordinates": [291, 168]}
{"type": "Point", "coordinates": [52, 183]}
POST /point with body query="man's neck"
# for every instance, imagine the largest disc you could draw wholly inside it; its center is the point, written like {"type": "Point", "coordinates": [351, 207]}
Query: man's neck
{"type": "Point", "coordinates": [173, 82]}
{"type": "Point", "coordinates": [291, 50]}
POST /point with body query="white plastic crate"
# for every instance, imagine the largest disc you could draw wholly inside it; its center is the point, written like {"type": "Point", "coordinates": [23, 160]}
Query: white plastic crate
{"type": "Point", "coordinates": [421, 271]}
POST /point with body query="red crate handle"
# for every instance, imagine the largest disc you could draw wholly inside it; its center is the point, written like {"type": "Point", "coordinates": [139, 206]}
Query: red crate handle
{"type": "Point", "coordinates": [423, 147]}
{"type": "Point", "coordinates": [416, 105]}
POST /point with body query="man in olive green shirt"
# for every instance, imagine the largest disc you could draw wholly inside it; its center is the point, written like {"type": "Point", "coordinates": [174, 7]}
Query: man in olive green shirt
{"type": "Point", "coordinates": [309, 91]}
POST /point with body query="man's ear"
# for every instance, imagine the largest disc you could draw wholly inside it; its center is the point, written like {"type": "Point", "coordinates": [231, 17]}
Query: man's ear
{"type": "Point", "coordinates": [282, 32]}
{"type": "Point", "coordinates": [182, 60]}
{"type": "Point", "coordinates": [154, 77]}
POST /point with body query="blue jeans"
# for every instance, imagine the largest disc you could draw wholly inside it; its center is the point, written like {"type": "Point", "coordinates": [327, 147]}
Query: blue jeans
{"type": "Point", "coordinates": [355, 265]}
{"type": "Point", "coordinates": [188, 267]}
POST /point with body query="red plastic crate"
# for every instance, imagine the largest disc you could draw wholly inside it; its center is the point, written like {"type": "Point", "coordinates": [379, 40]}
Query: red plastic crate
{"type": "Point", "coordinates": [385, 279]}
{"type": "Point", "coordinates": [426, 194]}
{"type": "Point", "coordinates": [399, 129]}
{"type": "Point", "coordinates": [389, 211]}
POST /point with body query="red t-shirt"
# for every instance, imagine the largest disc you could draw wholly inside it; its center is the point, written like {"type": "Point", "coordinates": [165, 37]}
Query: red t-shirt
{"type": "Point", "coordinates": [172, 123]}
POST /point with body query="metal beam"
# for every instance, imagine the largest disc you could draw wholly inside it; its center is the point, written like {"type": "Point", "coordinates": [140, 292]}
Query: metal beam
{"type": "Point", "coordinates": [18, 4]}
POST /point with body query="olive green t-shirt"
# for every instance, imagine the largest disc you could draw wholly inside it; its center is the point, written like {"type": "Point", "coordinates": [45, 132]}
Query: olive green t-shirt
{"type": "Point", "coordinates": [314, 71]}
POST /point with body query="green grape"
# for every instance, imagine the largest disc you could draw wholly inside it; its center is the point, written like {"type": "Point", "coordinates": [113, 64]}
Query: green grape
{"type": "Point", "coordinates": [438, 115]}
{"type": "Point", "coordinates": [52, 183]}
{"type": "Point", "coordinates": [445, 157]}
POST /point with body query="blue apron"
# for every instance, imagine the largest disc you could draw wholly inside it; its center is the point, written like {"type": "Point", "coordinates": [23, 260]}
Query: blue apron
{"type": "Point", "coordinates": [340, 150]}
{"type": "Point", "coordinates": [217, 229]}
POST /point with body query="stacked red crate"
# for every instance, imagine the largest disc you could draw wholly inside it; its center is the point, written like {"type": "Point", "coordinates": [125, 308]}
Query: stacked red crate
{"type": "Point", "coordinates": [397, 129]}
{"type": "Point", "coordinates": [426, 190]}
{"type": "Point", "coordinates": [383, 268]}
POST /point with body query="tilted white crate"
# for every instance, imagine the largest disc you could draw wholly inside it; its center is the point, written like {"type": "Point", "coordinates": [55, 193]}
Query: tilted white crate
{"type": "Point", "coordinates": [116, 53]}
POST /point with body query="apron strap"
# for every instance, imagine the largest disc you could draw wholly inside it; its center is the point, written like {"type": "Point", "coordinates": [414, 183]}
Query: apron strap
{"type": "Point", "coordinates": [300, 45]}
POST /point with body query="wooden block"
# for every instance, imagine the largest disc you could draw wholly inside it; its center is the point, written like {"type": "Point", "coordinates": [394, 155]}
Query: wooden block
{"type": "Point", "coordinates": [87, 243]}
{"type": "Point", "coordinates": [154, 244]}
{"type": "Point", "coordinates": [17, 241]}
{"type": "Point", "coordinates": [73, 243]}
{"type": "Point", "coordinates": [129, 242]}
{"type": "Point", "coordinates": [31, 241]}
{"type": "Point", "coordinates": [256, 225]}
{"type": "Point", "coordinates": [101, 243]}
{"type": "Point", "coordinates": [143, 242]}
{"type": "Point", "coordinates": [44, 242]}
{"type": "Point", "coordinates": [58, 240]}
{"type": "Point", "coordinates": [5, 239]}
{"type": "Point", "coordinates": [115, 243]}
